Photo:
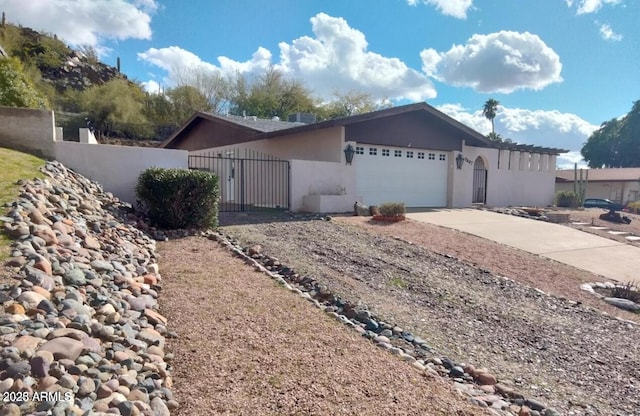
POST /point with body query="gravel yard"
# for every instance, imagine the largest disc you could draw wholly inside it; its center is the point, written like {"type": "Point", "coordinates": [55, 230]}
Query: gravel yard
{"type": "Point", "coordinates": [249, 347]}
{"type": "Point", "coordinates": [443, 286]}
{"type": "Point", "coordinates": [590, 216]}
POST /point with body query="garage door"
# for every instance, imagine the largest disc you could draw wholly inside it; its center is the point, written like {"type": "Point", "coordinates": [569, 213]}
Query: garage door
{"type": "Point", "coordinates": [416, 177]}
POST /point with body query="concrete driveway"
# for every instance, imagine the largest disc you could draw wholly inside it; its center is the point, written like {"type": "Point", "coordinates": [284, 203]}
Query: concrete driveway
{"type": "Point", "coordinates": [608, 258]}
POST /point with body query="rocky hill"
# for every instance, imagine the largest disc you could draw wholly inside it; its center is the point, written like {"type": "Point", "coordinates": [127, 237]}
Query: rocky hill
{"type": "Point", "coordinates": [60, 65]}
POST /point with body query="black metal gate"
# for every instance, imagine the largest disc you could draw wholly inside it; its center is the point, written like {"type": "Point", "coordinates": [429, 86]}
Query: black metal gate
{"type": "Point", "coordinates": [479, 182]}
{"type": "Point", "coordinates": [248, 184]}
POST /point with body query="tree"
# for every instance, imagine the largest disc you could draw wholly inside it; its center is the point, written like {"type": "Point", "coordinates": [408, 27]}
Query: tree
{"type": "Point", "coordinates": [348, 104]}
{"type": "Point", "coordinates": [185, 101]}
{"type": "Point", "coordinates": [616, 143]}
{"type": "Point", "coordinates": [270, 95]}
{"type": "Point", "coordinates": [16, 90]}
{"type": "Point", "coordinates": [211, 85]}
{"type": "Point", "coordinates": [116, 106]}
{"type": "Point", "coordinates": [489, 111]}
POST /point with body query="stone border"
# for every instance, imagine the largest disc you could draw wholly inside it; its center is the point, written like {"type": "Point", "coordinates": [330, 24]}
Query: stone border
{"type": "Point", "coordinates": [478, 385]}
{"type": "Point", "coordinates": [621, 303]}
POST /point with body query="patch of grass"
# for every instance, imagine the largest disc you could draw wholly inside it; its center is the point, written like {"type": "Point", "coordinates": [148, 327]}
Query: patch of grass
{"type": "Point", "coordinates": [13, 167]}
{"type": "Point", "coordinates": [398, 282]}
{"type": "Point", "coordinates": [276, 381]}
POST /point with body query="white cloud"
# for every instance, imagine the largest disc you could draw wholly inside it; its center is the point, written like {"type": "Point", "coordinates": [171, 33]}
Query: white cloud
{"type": "Point", "coordinates": [536, 127]}
{"type": "Point", "coordinates": [608, 34]}
{"type": "Point", "coordinates": [175, 59]}
{"type": "Point", "coordinates": [568, 160]}
{"type": "Point", "coordinates": [84, 21]}
{"type": "Point", "coordinates": [181, 64]}
{"type": "Point", "coordinates": [591, 6]}
{"type": "Point", "coordinates": [335, 59]}
{"type": "Point", "coordinates": [455, 8]}
{"type": "Point", "coordinates": [498, 62]}
{"type": "Point", "coordinates": [151, 86]}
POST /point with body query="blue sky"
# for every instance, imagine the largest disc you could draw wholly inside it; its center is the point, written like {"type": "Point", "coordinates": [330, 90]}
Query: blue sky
{"type": "Point", "coordinates": [559, 68]}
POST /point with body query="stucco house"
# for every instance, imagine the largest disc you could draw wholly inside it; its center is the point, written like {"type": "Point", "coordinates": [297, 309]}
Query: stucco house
{"type": "Point", "coordinates": [413, 154]}
{"type": "Point", "coordinates": [621, 185]}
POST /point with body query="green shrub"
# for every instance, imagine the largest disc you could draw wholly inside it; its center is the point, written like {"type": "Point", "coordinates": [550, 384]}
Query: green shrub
{"type": "Point", "coordinates": [634, 207]}
{"type": "Point", "coordinates": [566, 199]}
{"type": "Point", "coordinates": [179, 198]}
{"type": "Point", "coordinates": [392, 209]}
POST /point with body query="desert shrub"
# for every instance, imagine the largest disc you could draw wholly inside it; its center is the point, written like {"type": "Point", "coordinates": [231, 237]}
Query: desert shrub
{"type": "Point", "coordinates": [566, 199]}
{"type": "Point", "coordinates": [629, 291]}
{"type": "Point", "coordinates": [179, 198]}
{"type": "Point", "coordinates": [634, 207]}
{"type": "Point", "coordinates": [392, 209]}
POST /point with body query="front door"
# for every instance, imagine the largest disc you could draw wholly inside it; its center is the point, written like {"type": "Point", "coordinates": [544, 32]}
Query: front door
{"type": "Point", "coordinates": [479, 182]}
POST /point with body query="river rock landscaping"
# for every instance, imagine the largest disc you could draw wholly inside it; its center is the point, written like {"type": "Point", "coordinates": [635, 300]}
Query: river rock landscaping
{"type": "Point", "coordinates": [80, 331]}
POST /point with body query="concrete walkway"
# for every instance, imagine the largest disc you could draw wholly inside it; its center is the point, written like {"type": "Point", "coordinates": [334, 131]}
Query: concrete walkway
{"type": "Point", "coordinates": [602, 256]}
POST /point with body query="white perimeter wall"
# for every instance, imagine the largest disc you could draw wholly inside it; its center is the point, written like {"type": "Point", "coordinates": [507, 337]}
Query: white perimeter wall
{"type": "Point", "coordinates": [524, 179]}
{"type": "Point", "coordinates": [323, 178]}
{"type": "Point", "coordinates": [117, 168]}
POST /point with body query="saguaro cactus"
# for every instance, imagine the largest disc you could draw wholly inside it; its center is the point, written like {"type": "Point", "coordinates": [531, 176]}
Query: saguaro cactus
{"type": "Point", "coordinates": [580, 185]}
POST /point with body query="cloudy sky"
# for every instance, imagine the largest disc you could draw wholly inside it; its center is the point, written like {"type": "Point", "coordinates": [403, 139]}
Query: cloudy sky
{"type": "Point", "coordinates": [559, 68]}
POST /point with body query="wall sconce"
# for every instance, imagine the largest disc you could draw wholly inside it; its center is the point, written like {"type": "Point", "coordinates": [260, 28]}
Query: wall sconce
{"type": "Point", "coordinates": [349, 151]}
{"type": "Point", "coordinates": [459, 161]}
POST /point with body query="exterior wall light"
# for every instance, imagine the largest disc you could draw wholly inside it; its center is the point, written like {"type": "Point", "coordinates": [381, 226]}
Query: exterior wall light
{"type": "Point", "coordinates": [459, 161]}
{"type": "Point", "coordinates": [349, 151]}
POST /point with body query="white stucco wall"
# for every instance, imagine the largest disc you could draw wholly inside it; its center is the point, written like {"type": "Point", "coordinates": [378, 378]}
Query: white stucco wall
{"type": "Point", "coordinates": [117, 167]}
{"type": "Point", "coordinates": [323, 178]}
{"type": "Point", "coordinates": [522, 179]}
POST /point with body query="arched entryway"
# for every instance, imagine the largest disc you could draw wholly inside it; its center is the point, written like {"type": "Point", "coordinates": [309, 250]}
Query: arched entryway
{"type": "Point", "coordinates": [479, 182]}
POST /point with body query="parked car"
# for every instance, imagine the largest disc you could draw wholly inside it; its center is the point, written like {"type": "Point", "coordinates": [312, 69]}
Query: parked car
{"type": "Point", "coordinates": [603, 203]}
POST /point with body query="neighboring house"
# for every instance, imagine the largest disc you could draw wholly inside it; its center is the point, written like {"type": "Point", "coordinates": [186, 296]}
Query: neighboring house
{"type": "Point", "coordinates": [413, 153]}
{"type": "Point", "coordinates": [621, 185]}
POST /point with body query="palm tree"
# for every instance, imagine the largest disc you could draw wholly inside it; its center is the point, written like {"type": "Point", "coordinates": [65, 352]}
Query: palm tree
{"type": "Point", "coordinates": [489, 111]}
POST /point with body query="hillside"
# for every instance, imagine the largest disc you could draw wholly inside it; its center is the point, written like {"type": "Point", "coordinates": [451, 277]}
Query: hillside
{"type": "Point", "coordinates": [58, 65]}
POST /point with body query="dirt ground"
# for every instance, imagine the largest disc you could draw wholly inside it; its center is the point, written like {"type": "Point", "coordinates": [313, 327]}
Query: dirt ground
{"type": "Point", "coordinates": [249, 347]}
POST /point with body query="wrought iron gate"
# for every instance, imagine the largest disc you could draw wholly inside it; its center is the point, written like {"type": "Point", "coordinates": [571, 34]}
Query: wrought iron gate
{"type": "Point", "coordinates": [479, 182]}
{"type": "Point", "coordinates": [248, 184]}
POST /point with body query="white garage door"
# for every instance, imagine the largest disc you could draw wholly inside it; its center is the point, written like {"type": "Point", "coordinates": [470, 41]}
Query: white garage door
{"type": "Point", "coordinates": [416, 177]}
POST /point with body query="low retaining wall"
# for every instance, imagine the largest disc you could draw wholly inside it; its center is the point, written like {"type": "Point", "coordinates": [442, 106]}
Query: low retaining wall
{"type": "Point", "coordinates": [28, 130]}
{"type": "Point", "coordinates": [117, 167]}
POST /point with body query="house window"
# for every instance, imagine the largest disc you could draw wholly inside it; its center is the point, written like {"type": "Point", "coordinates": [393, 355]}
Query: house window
{"type": "Point", "coordinates": [409, 154]}
{"type": "Point", "coordinates": [373, 151]}
{"type": "Point", "coordinates": [359, 150]}
{"type": "Point", "coordinates": [397, 153]}
{"type": "Point", "coordinates": [432, 156]}
{"type": "Point", "coordinates": [443, 156]}
{"type": "Point", "coordinates": [420, 155]}
{"type": "Point", "coordinates": [385, 152]}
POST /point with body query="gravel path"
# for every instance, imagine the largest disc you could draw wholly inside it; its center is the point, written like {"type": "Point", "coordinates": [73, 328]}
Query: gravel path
{"type": "Point", "coordinates": [247, 346]}
{"type": "Point", "coordinates": [548, 347]}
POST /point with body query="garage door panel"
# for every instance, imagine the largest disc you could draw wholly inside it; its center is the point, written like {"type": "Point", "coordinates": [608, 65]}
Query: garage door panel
{"type": "Point", "coordinates": [416, 182]}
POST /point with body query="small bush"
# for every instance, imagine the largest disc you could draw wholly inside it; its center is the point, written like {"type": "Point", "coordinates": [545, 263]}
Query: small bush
{"type": "Point", "coordinates": [179, 198]}
{"type": "Point", "coordinates": [634, 207]}
{"type": "Point", "coordinates": [629, 291]}
{"type": "Point", "coordinates": [566, 199]}
{"type": "Point", "coordinates": [392, 209]}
